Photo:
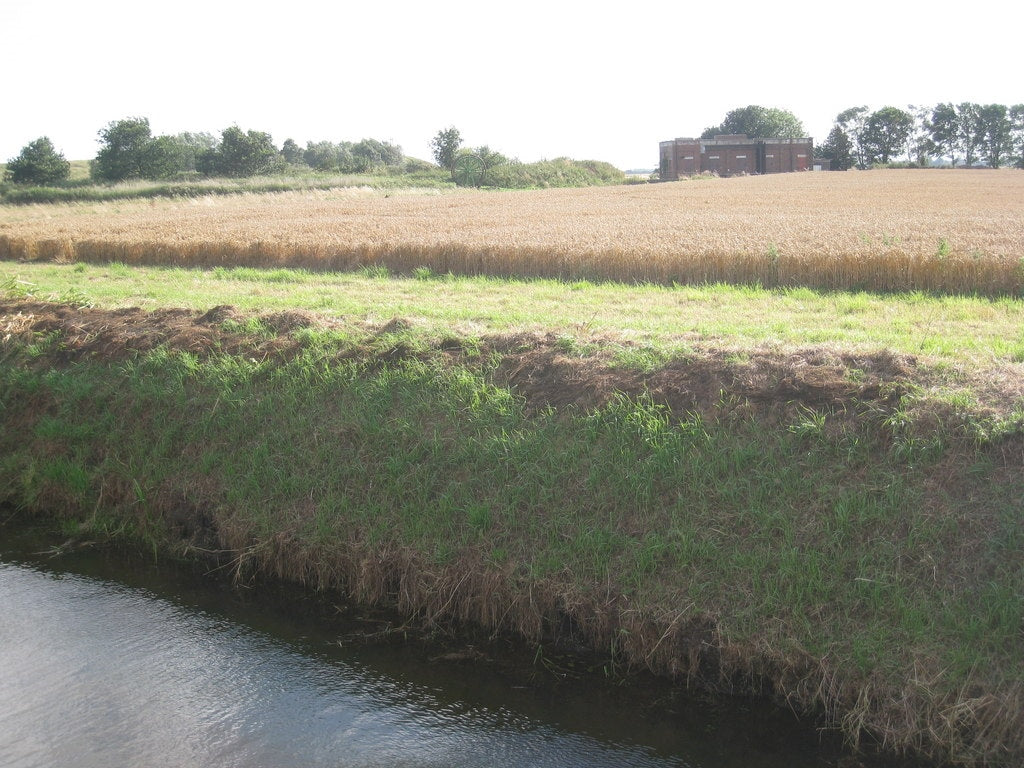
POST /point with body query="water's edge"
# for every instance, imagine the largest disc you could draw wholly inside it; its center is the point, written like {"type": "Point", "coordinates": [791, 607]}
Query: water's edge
{"type": "Point", "coordinates": [572, 693]}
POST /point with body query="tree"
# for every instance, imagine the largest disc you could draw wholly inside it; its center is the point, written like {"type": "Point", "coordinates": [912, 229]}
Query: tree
{"type": "Point", "coordinates": [347, 157]}
{"type": "Point", "coordinates": [995, 134]}
{"type": "Point", "coordinates": [321, 155]}
{"type": "Point", "coordinates": [121, 156]}
{"type": "Point", "coordinates": [446, 146]}
{"type": "Point", "coordinates": [886, 133]}
{"type": "Point", "coordinates": [944, 130]}
{"type": "Point", "coordinates": [758, 123]}
{"type": "Point", "coordinates": [853, 122]}
{"type": "Point", "coordinates": [919, 142]}
{"type": "Point", "coordinates": [1017, 133]}
{"type": "Point", "coordinates": [130, 151]}
{"type": "Point", "coordinates": [344, 159]}
{"type": "Point", "coordinates": [38, 163]}
{"type": "Point", "coordinates": [292, 153]}
{"type": "Point", "coordinates": [371, 153]}
{"type": "Point", "coordinates": [242, 154]}
{"type": "Point", "coordinates": [163, 157]}
{"type": "Point", "coordinates": [838, 149]}
{"type": "Point", "coordinates": [192, 146]}
{"type": "Point", "coordinates": [969, 131]}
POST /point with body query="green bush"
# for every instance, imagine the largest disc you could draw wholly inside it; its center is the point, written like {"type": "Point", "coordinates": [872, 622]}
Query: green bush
{"type": "Point", "coordinates": [39, 163]}
{"type": "Point", "coordinates": [560, 172]}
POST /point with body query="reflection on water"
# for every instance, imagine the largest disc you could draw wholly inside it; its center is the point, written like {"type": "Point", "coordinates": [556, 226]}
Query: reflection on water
{"type": "Point", "coordinates": [157, 668]}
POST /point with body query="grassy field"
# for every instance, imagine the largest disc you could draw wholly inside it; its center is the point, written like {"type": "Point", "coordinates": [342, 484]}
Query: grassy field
{"type": "Point", "coordinates": [82, 191]}
{"type": "Point", "coordinates": [947, 231]}
{"type": "Point", "coordinates": [815, 495]}
{"type": "Point", "coordinates": [975, 332]}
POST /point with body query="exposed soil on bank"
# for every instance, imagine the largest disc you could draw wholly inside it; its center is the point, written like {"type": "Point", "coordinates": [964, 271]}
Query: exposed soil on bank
{"type": "Point", "coordinates": [535, 365]}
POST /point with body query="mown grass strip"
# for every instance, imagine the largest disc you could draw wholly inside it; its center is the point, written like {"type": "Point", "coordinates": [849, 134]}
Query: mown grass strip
{"type": "Point", "coordinates": [664, 320]}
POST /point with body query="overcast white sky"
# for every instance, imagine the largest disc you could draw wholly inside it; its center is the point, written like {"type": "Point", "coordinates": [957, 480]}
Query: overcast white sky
{"type": "Point", "coordinates": [530, 79]}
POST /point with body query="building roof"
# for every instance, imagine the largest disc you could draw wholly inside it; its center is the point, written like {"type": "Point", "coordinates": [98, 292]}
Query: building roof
{"type": "Point", "coordinates": [737, 138]}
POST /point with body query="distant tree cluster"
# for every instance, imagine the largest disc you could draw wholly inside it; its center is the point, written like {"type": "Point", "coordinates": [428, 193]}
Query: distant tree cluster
{"type": "Point", "coordinates": [129, 150]}
{"type": "Point", "coordinates": [345, 156]}
{"type": "Point", "coordinates": [758, 123]}
{"type": "Point", "coordinates": [967, 134]}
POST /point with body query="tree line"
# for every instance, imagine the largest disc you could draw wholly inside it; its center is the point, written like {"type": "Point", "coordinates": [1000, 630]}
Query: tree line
{"type": "Point", "coordinates": [129, 150]}
{"type": "Point", "coordinates": [965, 134]}
{"type": "Point", "coordinates": [956, 134]}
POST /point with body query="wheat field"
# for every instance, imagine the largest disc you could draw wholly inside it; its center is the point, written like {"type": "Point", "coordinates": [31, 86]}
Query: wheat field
{"type": "Point", "coordinates": [959, 231]}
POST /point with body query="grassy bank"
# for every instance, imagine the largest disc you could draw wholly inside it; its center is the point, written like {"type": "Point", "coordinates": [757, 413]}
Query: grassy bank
{"type": "Point", "coordinates": [825, 525]}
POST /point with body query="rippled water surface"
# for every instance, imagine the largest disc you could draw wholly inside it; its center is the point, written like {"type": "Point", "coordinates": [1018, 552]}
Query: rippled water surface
{"type": "Point", "coordinates": [105, 662]}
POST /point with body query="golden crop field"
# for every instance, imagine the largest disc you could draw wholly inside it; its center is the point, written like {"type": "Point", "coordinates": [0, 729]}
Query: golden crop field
{"type": "Point", "coordinates": [942, 230]}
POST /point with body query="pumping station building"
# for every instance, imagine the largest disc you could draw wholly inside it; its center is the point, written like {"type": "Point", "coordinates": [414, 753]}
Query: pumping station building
{"type": "Point", "coordinates": [734, 154]}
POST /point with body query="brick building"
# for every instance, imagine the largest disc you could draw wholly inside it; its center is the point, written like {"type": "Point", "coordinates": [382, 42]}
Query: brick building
{"type": "Point", "coordinates": [736, 154]}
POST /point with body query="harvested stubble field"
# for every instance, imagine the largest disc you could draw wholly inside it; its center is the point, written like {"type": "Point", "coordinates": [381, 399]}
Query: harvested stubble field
{"type": "Point", "coordinates": [949, 231]}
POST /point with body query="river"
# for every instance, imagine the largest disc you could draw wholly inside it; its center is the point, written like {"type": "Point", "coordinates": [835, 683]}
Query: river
{"type": "Point", "coordinates": [108, 660]}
